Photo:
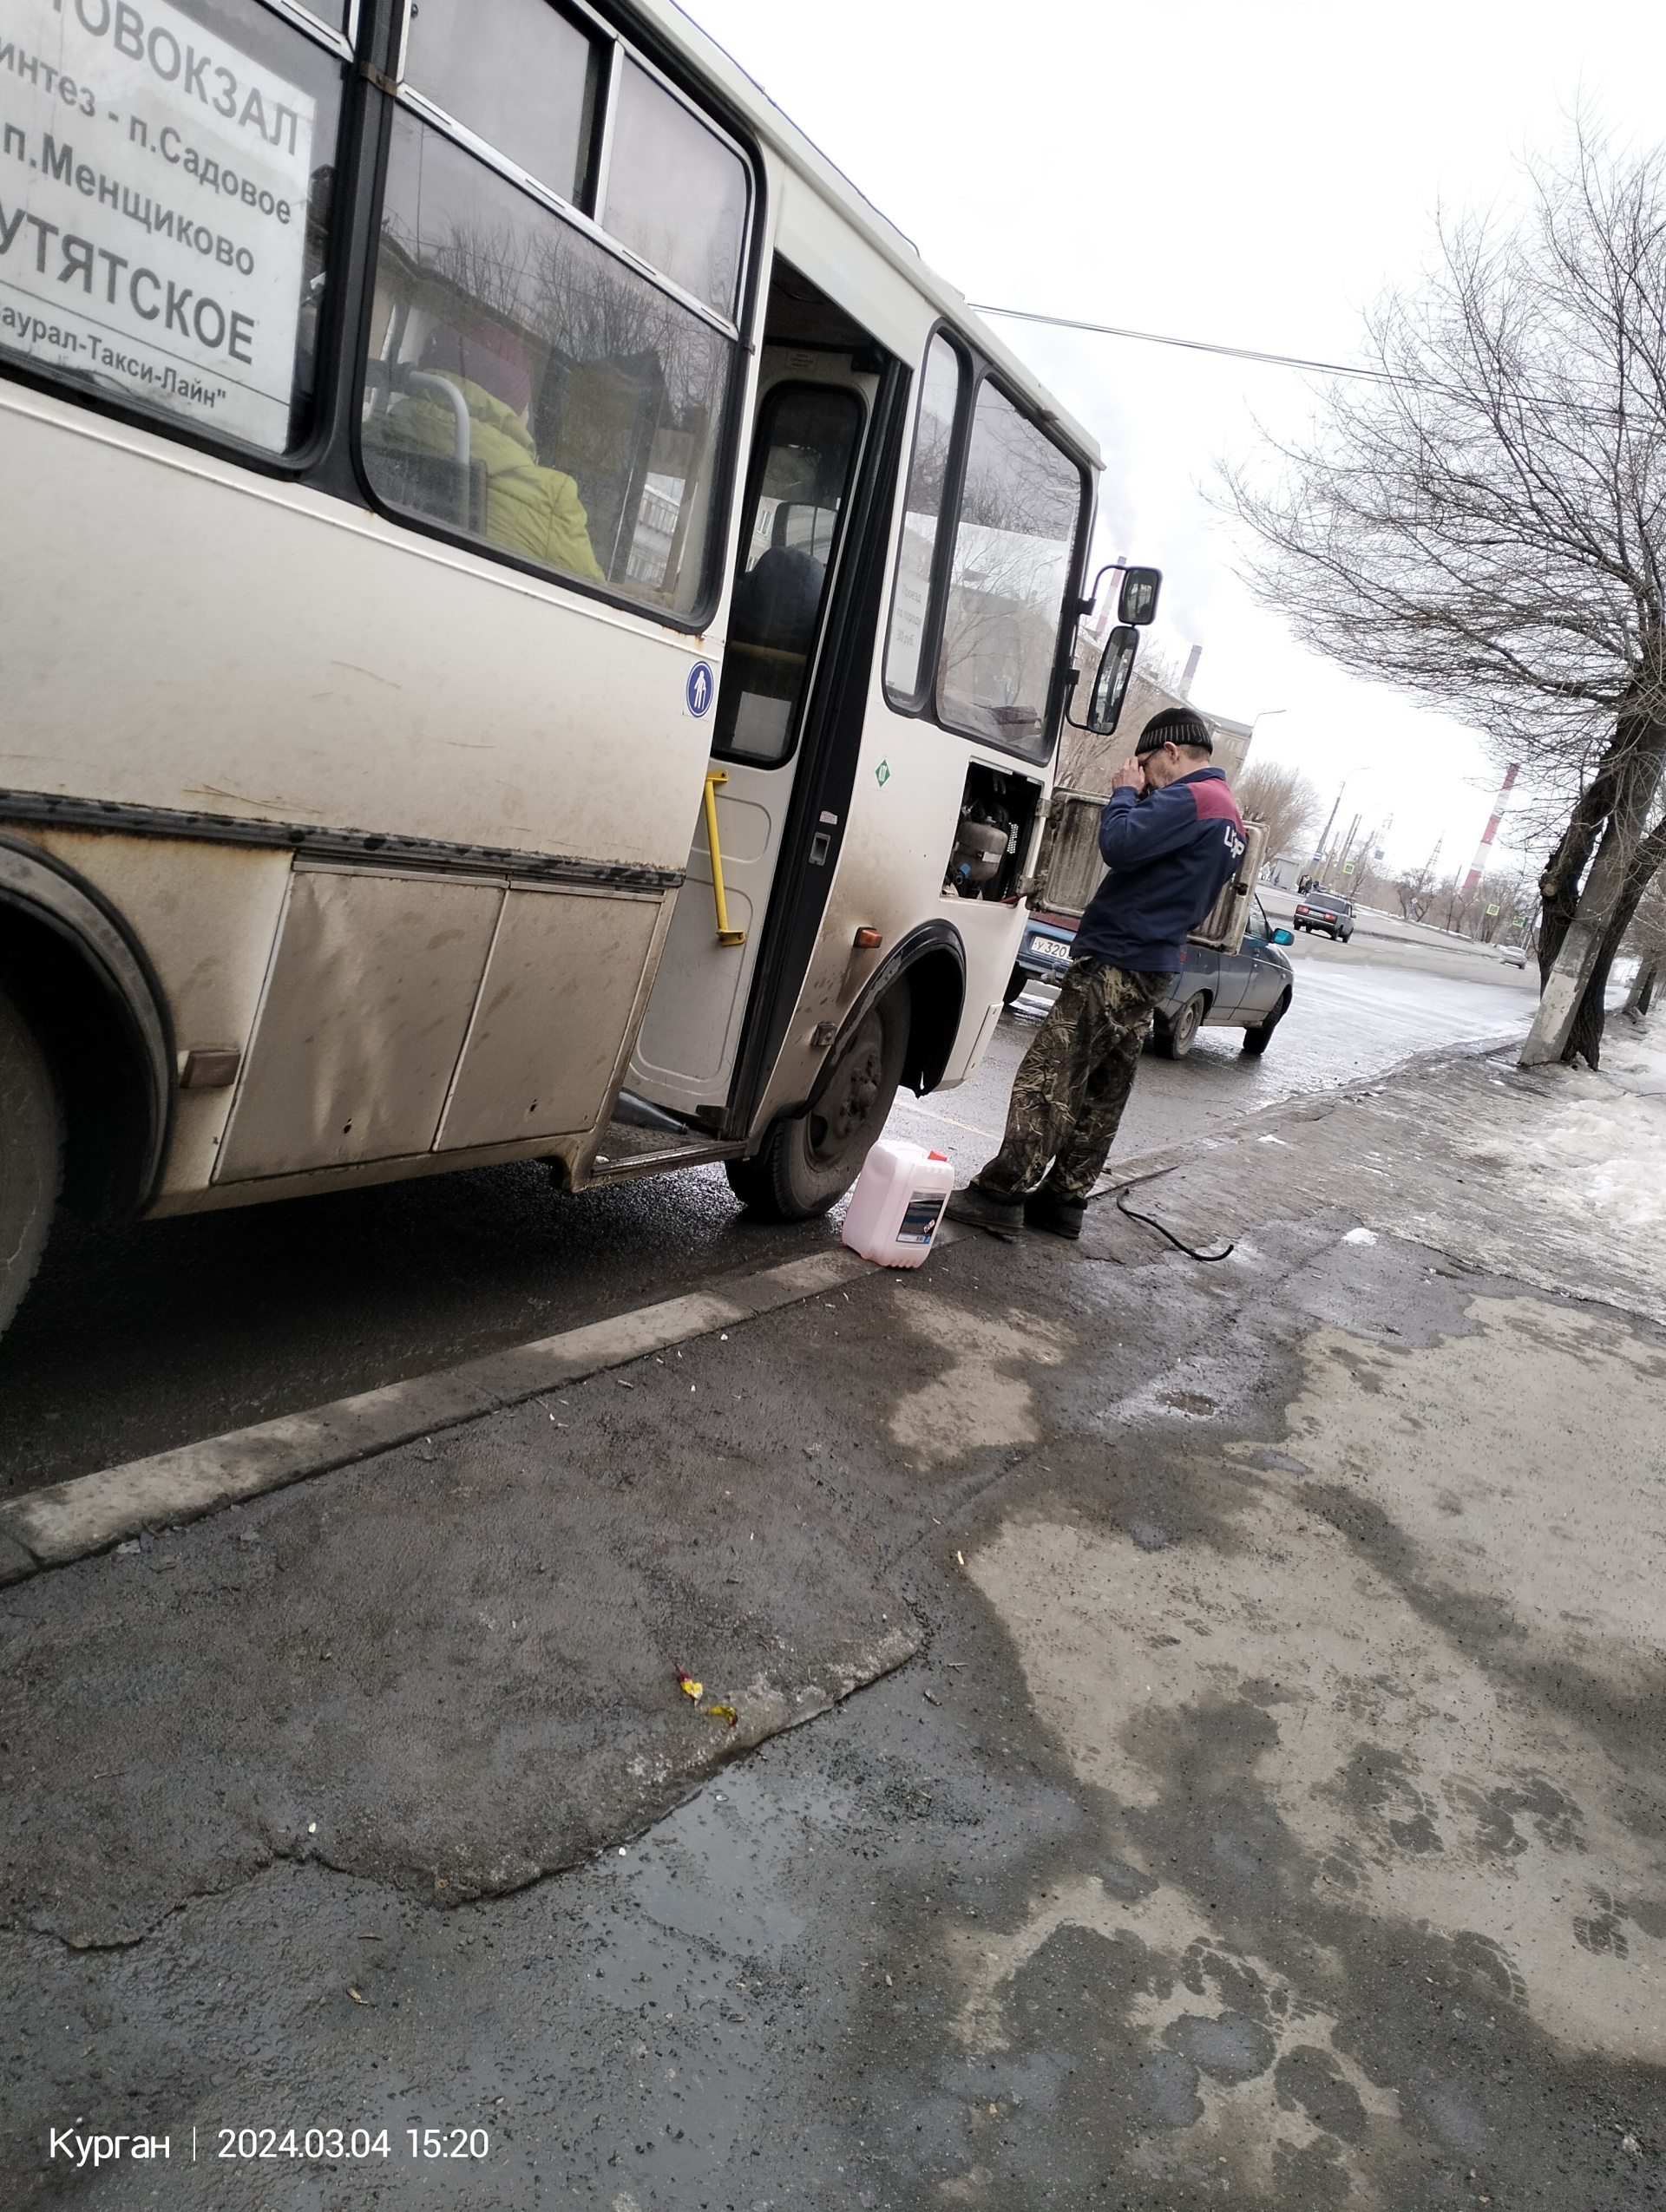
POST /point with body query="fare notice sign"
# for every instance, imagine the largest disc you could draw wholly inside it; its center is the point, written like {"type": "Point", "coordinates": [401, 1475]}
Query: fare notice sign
{"type": "Point", "coordinates": [152, 209]}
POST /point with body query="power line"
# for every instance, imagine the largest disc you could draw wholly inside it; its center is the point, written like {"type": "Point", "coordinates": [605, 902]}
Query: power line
{"type": "Point", "coordinates": [1189, 345]}
{"type": "Point", "coordinates": [1607, 414]}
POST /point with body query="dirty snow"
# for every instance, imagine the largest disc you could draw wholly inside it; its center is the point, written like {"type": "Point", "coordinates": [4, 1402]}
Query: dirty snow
{"type": "Point", "coordinates": [1634, 1056]}
{"type": "Point", "coordinates": [1601, 1154]}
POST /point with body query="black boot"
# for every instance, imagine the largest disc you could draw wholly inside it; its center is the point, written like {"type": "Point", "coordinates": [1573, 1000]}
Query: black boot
{"type": "Point", "coordinates": [1060, 1217]}
{"type": "Point", "coordinates": [982, 1209]}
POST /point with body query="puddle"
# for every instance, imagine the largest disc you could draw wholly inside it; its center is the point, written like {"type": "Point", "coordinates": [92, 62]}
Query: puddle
{"type": "Point", "coordinates": [685, 1930]}
{"type": "Point", "coordinates": [718, 1867]}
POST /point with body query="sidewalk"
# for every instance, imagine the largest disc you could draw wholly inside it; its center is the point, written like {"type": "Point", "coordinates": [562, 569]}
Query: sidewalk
{"type": "Point", "coordinates": [1262, 1805]}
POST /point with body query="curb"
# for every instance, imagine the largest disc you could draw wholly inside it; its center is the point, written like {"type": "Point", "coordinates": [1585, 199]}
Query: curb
{"type": "Point", "coordinates": [72, 1520]}
{"type": "Point", "coordinates": [90, 1513]}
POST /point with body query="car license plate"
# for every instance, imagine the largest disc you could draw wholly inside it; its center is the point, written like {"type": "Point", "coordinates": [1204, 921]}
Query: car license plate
{"type": "Point", "coordinates": [1049, 948]}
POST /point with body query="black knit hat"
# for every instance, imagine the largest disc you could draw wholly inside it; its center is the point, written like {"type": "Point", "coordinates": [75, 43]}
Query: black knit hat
{"type": "Point", "coordinates": [1174, 726]}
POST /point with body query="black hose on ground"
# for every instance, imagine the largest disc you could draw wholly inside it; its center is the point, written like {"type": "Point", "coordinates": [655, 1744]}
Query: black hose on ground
{"type": "Point", "coordinates": [1208, 1259]}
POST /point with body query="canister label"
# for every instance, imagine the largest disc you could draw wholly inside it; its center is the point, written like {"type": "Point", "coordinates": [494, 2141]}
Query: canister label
{"type": "Point", "coordinates": [919, 1223]}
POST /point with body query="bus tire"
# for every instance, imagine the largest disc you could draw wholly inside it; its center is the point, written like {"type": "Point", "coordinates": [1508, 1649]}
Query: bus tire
{"type": "Point", "coordinates": [32, 1157]}
{"type": "Point", "coordinates": [807, 1161]}
{"type": "Point", "coordinates": [1015, 983]}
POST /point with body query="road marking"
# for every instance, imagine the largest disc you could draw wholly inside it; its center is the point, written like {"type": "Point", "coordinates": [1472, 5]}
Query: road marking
{"type": "Point", "coordinates": [948, 1119]}
{"type": "Point", "coordinates": [67, 1521]}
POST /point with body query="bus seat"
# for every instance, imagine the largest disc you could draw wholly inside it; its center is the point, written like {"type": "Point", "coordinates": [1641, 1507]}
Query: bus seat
{"type": "Point", "coordinates": [433, 484]}
{"type": "Point", "coordinates": [596, 421]}
{"type": "Point", "coordinates": [451, 488]}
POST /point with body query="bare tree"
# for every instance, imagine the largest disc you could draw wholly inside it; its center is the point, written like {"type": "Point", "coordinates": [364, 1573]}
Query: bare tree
{"type": "Point", "coordinates": [1413, 888]}
{"type": "Point", "coordinates": [1647, 939]}
{"type": "Point", "coordinates": [1484, 524]}
{"type": "Point", "coordinates": [1284, 801]}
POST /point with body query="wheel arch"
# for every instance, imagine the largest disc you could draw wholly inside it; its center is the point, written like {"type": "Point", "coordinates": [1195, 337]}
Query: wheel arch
{"type": "Point", "coordinates": [82, 980]}
{"type": "Point", "coordinates": [932, 960]}
{"type": "Point", "coordinates": [1207, 996]}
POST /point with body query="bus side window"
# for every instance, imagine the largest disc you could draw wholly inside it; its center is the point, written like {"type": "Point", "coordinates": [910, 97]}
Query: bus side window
{"type": "Point", "coordinates": [537, 109]}
{"type": "Point", "coordinates": [940, 390]}
{"type": "Point", "coordinates": [527, 385]}
{"type": "Point", "coordinates": [805, 450]}
{"type": "Point", "coordinates": [676, 193]}
{"type": "Point", "coordinates": [1020, 507]}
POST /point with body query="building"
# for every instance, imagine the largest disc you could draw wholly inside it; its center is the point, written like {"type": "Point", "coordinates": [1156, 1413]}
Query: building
{"type": "Point", "coordinates": [1087, 763]}
{"type": "Point", "coordinates": [1231, 743]}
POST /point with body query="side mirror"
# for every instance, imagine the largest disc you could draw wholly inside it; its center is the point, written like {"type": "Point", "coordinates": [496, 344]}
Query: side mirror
{"type": "Point", "coordinates": [1283, 937]}
{"type": "Point", "coordinates": [1111, 684]}
{"type": "Point", "coordinates": [1136, 602]}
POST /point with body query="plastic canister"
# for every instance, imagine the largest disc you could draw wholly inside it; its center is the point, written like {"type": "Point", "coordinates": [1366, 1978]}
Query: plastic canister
{"type": "Point", "coordinates": [897, 1203]}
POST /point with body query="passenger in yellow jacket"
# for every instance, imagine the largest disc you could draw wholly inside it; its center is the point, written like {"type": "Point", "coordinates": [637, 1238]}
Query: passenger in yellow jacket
{"type": "Point", "coordinates": [530, 509]}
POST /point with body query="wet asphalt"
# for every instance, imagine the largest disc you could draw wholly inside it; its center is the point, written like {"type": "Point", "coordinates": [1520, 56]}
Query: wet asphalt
{"type": "Point", "coordinates": [759, 1999]}
{"type": "Point", "coordinates": [919, 1952]}
{"type": "Point", "coordinates": [160, 1334]}
{"type": "Point", "coordinates": [361, 1843]}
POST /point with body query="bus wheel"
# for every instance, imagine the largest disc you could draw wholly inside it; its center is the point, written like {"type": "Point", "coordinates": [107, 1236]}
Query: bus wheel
{"type": "Point", "coordinates": [1015, 983]}
{"type": "Point", "coordinates": [809, 1163]}
{"type": "Point", "coordinates": [32, 1157]}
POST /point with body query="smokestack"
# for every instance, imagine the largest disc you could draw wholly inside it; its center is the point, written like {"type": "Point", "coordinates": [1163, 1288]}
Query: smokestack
{"type": "Point", "coordinates": [1105, 613]}
{"type": "Point", "coordinates": [1192, 659]}
{"type": "Point", "coordinates": [1478, 866]}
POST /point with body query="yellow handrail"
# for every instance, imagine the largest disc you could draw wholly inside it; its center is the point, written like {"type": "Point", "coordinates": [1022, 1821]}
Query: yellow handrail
{"type": "Point", "coordinates": [726, 935]}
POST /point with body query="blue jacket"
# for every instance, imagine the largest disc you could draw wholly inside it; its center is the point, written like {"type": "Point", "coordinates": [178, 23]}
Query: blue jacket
{"type": "Point", "coordinates": [1169, 852]}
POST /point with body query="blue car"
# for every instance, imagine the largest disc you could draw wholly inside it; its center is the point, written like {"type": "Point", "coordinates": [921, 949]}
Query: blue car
{"type": "Point", "coordinates": [1248, 990]}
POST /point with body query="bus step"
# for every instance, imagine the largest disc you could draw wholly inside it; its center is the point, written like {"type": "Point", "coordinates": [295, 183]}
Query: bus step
{"type": "Point", "coordinates": [627, 1150]}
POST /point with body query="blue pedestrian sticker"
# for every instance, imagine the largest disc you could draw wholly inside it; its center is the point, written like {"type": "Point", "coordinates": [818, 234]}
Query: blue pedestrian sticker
{"type": "Point", "coordinates": [700, 689]}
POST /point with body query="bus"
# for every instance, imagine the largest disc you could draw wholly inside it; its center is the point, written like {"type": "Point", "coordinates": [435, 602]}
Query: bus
{"type": "Point", "coordinates": [534, 625]}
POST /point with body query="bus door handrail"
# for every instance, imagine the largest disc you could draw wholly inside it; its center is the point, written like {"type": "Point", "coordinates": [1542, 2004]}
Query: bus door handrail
{"type": "Point", "coordinates": [726, 935]}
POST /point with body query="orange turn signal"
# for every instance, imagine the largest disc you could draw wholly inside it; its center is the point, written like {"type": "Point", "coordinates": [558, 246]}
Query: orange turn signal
{"type": "Point", "coordinates": [868, 940]}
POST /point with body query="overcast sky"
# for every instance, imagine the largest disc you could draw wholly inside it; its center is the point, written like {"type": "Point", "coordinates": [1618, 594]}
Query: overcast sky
{"type": "Point", "coordinates": [1254, 176]}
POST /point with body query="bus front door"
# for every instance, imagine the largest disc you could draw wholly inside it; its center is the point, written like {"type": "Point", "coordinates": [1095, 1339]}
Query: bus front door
{"type": "Point", "coordinates": [812, 411]}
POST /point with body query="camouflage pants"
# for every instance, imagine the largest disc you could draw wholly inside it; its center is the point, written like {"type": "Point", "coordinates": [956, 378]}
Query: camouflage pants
{"type": "Point", "coordinates": [1069, 1093]}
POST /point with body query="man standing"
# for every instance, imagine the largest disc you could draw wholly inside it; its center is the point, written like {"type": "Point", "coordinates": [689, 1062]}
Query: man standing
{"type": "Point", "coordinates": [1171, 836]}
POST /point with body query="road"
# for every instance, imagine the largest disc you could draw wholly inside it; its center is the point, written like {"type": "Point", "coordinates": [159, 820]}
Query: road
{"type": "Point", "coordinates": [168, 1331]}
{"type": "Point", "coordinates": [1269, 1814]}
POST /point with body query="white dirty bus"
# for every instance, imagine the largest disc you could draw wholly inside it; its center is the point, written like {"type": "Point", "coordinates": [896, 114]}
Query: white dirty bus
{"type": "Point", "coordinates": [532, 625]}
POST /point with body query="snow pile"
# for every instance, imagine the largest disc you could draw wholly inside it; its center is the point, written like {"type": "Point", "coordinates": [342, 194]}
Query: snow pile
{"type": "Point", "coordinates": [1634, 1057]}
{"type": "Point", "coordinates": [1602, 1155]}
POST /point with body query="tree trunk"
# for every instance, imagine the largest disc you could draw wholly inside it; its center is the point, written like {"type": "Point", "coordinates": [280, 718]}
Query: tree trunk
{"type": "Point", "coordinates": [1570, 1018]}
{"type": "Point", "coordinates": [1559, 887]}
{"type": "Point", "coordinates": [1587, 1034]}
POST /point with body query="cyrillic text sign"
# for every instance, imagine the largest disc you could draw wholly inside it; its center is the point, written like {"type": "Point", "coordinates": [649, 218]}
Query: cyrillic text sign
{"type": "Point", "coordinates": [152, 209]}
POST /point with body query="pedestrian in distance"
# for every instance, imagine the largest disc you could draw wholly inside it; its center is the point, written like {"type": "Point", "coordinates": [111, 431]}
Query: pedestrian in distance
{"type": "Point", "coordinates": [1172, 837]}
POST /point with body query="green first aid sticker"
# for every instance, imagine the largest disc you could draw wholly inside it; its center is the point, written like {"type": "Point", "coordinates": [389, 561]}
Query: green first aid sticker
{"type": "Point", "coordinates": [883, 773]}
